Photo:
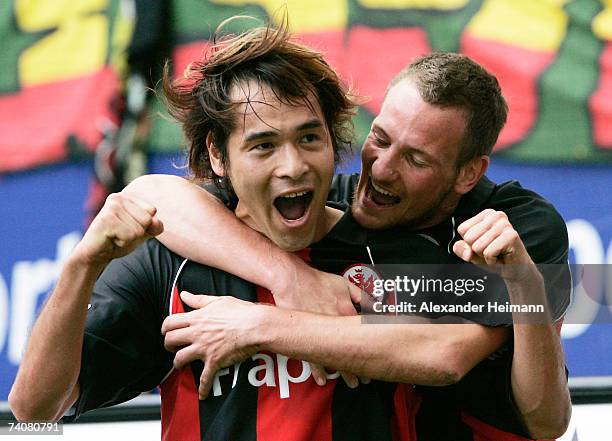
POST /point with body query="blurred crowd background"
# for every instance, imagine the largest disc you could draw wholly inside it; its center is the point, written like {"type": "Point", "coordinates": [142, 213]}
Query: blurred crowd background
{"type": "Point", "coordinates": [79, 118]}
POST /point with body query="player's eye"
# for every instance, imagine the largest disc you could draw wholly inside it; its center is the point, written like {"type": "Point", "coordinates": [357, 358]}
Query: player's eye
{"type": "Point", "coordinates": [310, 137]}
{"type": "Point", "coordinates": [264, 146]}
{"type": "Point", "coordinates": [377, 139]}
{"type": "Point", "coordinates": [416, 162]}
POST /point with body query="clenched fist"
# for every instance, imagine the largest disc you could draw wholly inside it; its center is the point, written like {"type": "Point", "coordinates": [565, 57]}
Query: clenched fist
{"type": "Point", "coordinates": [123, 223]}
{"type": "Point", "coordinates": [490, 239]}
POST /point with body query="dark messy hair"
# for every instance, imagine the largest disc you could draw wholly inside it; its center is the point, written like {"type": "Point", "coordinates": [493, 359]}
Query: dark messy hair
{"type": "Point", "coordinates": [454, 80]}
{"type": "Point", "coordinates": [202, 102]}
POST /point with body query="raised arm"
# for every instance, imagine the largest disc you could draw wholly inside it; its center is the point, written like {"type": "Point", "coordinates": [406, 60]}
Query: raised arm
{"type": "Point", "coordinates": [210, 234]}
{"type": "Point", "coordinates": [46, 384]}
{"type": "Point", "coordinates": [538, 378]}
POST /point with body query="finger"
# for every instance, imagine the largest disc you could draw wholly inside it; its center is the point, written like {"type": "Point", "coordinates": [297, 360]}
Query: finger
{"type": "Point", "coordinates": [474, 233]}
{"type": "Point", "coordinates": [176, 321]}
{"type": "Point", "coordinates": [127, 229]}
{"type": "Point", "coordinates": [503, 245]}
{"type": "Point", "coordinates": [354, 292]}
{"type": "Point", "coordinates": [199, 301]}
{"type": "Point", "coordinates": [319, 374]}
{"type": "Point", "coordinates": [464, 226]}
{"type": "Point", "coordinates": [177, 338]}
{"type": "Point", "coordinates": [206, 380]}
{"type": "Point", "coordinates": [143, 214]}
{"type": "Point", "coordinates": [463, 250]}
{"type": "Point", "coordinates": [185, 356]}
{"type": "Point", "coordinates": [141, 203]}
{"type": "Point", "coordinates": [488, 237]}
{"type": "Point", "coordinates": [365, 380]}
{"type": "Point", "coordinates": [350, 379]}
{"type": "Point", "coordinates": [156, 228]}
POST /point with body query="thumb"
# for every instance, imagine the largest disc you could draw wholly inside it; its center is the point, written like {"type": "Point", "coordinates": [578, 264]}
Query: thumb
{"type": "Point", "coordinates": [463, 250]}
{"type": "Point", "coordinates": [354, 292]}
{"type": "Point", "coordinates": [197, 301]}
{"type": "Point", "coordinates": [155, 228]}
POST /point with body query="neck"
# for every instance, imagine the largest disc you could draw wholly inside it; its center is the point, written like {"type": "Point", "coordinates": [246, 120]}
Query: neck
{"type": "Point", "coordinates": [331, 216]}
{"type": "Point", "coordinates": [439, 213]}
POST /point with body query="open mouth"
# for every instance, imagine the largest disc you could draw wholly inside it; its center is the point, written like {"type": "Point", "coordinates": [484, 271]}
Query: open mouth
{"type": "Point", "coordinates": [293, 206]}
{"type": "Point", "coordinates": [379, 195]}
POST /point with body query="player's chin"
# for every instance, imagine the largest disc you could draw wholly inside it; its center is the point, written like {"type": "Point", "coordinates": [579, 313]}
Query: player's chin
{"type": "Point", "coordinates": [370, 220]}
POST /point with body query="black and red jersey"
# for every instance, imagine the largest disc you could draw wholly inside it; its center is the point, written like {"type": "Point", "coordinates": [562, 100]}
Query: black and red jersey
{"type": "Point", "coordinates": [481, 406]}
{"type": "Point", "coordinates": [267, 396]}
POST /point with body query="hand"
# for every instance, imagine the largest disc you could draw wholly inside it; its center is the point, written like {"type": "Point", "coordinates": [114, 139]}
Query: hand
{"type": "Point", "coordinates": [216, 332]}
{"type": "Point", "coordinates": [489, 239]}
{"type": "Point", "coordinates": [304, 288]}
{"type": "Point", "coordinates": [123, 223]}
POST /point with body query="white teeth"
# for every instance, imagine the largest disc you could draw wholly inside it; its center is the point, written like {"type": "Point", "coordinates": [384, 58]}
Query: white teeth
{"type": "Point", "coordinates": [381, 190]}
{"type": "Point", "coordinates": [295, 195]}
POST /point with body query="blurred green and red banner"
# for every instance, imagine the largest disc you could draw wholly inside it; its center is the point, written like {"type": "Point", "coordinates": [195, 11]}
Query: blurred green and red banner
{"type": "Point", "coordinates": [64, 66]}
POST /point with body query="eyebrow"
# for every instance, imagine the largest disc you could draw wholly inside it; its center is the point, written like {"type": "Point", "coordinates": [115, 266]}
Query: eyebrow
{"type": "Point", "coordinates": [256, 136]}
{"type": "Point", "coordinates": [260, 135]}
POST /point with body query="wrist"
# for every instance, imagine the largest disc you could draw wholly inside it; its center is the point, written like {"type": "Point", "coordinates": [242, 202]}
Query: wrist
{"type": "Point", "coordinates": [285, 276]}
{"type": "Point", "coordinates": [80, 261]}
{"type": "Point", "coordinates": [266, 319]}
{"type": "Point", "coordinates": [528, 275]}
{"type": "Point", "coordinates": [529, 289]}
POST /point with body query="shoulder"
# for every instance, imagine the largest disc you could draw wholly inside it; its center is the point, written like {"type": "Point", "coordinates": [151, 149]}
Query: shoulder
{"type": "Point", "coordinates": [202, 279]}
{"type": "Point", "coordinates": [152, 257]}
{"type": "Point", "coordinates": [535, 219]}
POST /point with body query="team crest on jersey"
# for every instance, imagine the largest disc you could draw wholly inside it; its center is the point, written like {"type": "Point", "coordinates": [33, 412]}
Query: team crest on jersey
{"type": "Point", "coordinates": [363, 276]}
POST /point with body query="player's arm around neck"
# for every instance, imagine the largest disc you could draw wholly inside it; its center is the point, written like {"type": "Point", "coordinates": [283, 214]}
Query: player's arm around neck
{"type": "Point", "coordinates": [417, 353]}
{"type": "Point", "coordinates": [46, 384]}
{"type": "Point", "coordinates": [201, 228]}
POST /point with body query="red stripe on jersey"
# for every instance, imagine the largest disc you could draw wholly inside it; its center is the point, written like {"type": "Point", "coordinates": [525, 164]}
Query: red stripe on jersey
{"type": "Point", "coordinates": [303, 416]}
{"type": "Point", "coordinates": [406, 403]}
{"type": "Point", "coordinates": [180, 406]}
{"type": "Point", "coordinates": [177, 303]}
{"type": "Point", "coordinates": [484, 432]}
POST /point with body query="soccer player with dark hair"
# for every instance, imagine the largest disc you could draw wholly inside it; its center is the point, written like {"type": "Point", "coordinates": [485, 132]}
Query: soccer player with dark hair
{"type": "Point", "coordinates": [423, 166]}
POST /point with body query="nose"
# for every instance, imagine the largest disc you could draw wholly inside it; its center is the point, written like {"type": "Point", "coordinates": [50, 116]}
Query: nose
{"type": "Point", "coordinates": [292, 163]}
{"type": "Point", "coordinates": [384, 164]}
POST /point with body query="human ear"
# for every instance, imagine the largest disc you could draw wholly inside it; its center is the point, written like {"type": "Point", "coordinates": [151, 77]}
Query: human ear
{"type": "Point", "coordinates": [470, 173]}
{"type": "Point", "coordinates": [216, 158]}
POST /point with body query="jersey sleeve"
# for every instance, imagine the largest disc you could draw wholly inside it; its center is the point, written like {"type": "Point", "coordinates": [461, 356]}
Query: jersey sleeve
{"type": "Point", "coordinates": [486, 393]}
{"type": "Point", "coordinates": [123, 353]}
{"type": "Point", "coordinates": [539, 224]}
